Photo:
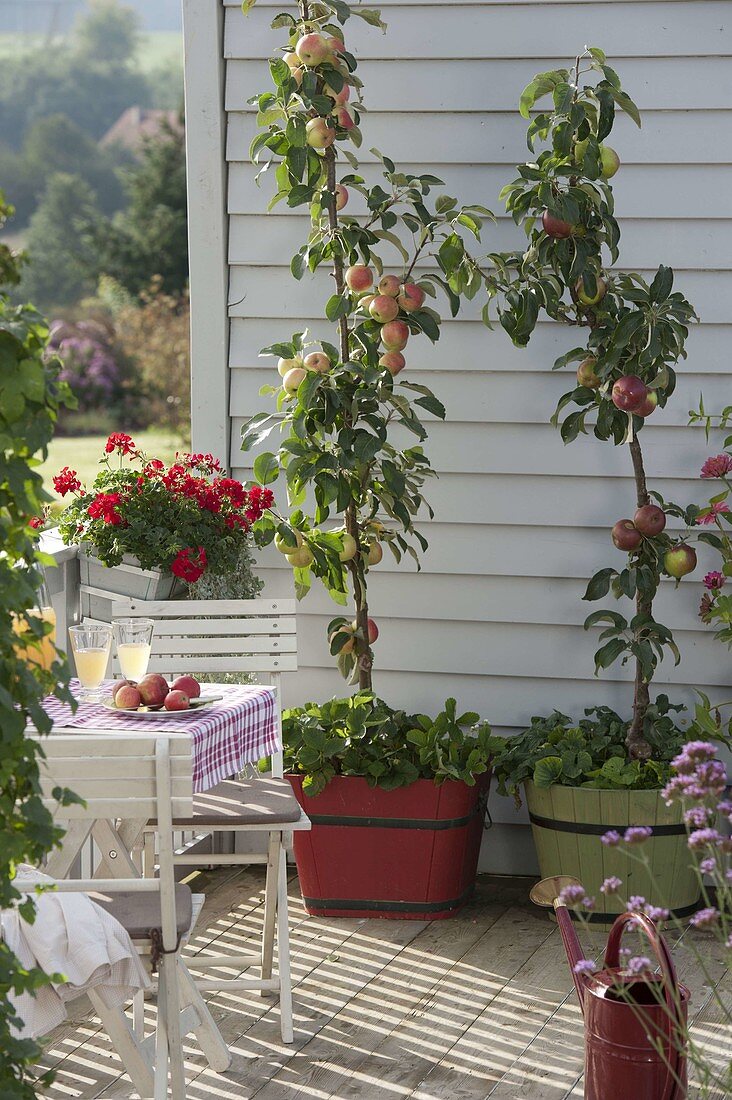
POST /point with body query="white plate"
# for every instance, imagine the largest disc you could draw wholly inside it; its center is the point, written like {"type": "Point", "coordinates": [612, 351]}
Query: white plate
{"type": "Point", "coordinates": [201, 703]}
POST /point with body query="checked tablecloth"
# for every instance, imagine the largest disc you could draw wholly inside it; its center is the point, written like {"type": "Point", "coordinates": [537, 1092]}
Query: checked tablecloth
{"type": "Point", "coordinates": [239, 730]}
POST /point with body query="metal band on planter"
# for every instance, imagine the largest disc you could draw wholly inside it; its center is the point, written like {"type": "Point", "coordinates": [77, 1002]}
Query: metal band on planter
{"type": "Point", "coordinates": [595, 829]}
{"type": "Point", "coordinates": [389, 906]}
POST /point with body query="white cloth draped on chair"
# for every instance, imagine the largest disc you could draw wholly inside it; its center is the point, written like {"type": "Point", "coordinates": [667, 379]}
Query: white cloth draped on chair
{"type": "Point", "coordinates": [72, 936]}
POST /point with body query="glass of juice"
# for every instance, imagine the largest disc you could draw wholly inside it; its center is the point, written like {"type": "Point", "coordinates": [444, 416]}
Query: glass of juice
{"type": "Point", "coordinates": [91, 646]}
{"type": "Point", "coordinates": [133, 638]}
{"type": "Point", "coordinates": [42, 651]}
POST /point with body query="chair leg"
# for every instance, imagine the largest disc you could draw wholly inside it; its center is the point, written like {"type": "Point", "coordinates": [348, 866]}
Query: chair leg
{"type": "Point", "coordinates": [138, 1014]}
{"type": "Point", "coordinates": [270, 905]}
{"type": "Point", "coordinates": [169, 1005]}
{"type": "Point", "coordinates": [209, 1037]}
{"type": "Point", "coordinates": [283, 954]}
{"type": "Point", "coordinates": [148, 856]}
{"type": "Point", "coordinates": [133, 1058]}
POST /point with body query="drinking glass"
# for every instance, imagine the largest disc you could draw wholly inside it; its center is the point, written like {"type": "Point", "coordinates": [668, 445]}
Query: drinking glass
{"type": "Point", "coordinates": [133, 638]}
{"type": "Point", "coordinates": [91, 646]}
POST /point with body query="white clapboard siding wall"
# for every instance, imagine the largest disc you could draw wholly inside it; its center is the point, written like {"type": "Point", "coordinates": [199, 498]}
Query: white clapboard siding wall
{"type": "Point", "coordinates": [521, 521]}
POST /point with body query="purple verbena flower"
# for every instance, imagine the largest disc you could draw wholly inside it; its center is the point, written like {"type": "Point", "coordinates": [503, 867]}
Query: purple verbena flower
{"type": "Point", "coordinates": [657, 912]}
{"type": "Point", "coordinates": [611, 885]}
{"type": "Point", "coordinates": [635, 903]}
{"type": "Point", "coordinates": [705, 918]}
{"type": "Point", "coordinates": [697, 817]}
{"type": "Point", "coordinates": [638, 964]}
{"type": "Point", "coordinates": [708, 866]}
{"type": "Point", "coordinates": [703, 838]}
{"type": "Point", "coordinates": [584, 966]}
{"type": "Point", "coordinates": [572, 895]}
{"type": "Point", "coordinates": [637, 834]}
{"type": "Point", "coordinates": [611, 838]}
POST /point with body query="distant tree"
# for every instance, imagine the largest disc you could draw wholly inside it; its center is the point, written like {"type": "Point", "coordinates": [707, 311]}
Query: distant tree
{"type": "Point", "coordinates": [56, 144]}
{"type": "Point", "coordinates": [149, 237]}
{"type": "Point", "coordinates": [107, 32]}
{"type": "Point", "coordinates": [84, 80]}
{"type": "Point", "coordinates": [58, 273]}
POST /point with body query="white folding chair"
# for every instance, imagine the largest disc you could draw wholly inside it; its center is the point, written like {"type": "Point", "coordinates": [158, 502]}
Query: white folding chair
{"type": "Point", "coordinates": [128, 777]}
{"type": "Point", "coordinates": [256, 636]}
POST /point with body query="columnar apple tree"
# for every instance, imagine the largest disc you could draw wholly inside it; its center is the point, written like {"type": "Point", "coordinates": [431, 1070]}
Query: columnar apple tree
{"type": "Point", "coordinates": [345, 407]}
{"type": "Point", "coordinates": [636, 333]}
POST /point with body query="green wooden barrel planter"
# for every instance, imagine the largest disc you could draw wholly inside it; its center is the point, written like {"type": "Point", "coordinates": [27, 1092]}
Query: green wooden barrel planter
{"type": "Point", "coordinates": [568, 823]}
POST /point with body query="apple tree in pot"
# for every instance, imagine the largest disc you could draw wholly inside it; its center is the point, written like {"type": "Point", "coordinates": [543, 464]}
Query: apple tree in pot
{"type": "Point", "coordinates": [351, 458]}
{"type": "Point", "coordinates": [347, 404]}
{"type": "Point", "coordinates": [634, 334]}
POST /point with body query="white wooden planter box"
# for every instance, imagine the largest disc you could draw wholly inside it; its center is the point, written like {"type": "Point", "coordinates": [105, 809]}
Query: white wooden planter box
{"type": "Point", "coordinates": [102, 584]}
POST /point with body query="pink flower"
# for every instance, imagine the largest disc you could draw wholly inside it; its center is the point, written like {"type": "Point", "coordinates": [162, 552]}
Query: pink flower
{"type": "Point", "coordinates": [719, 466]}
{"type": "Point", "coordinates": [638, 964]}
{"type": "Point", "coordinates": [710, 516]}
{"type": "Point", "coordinates": [713, 581]}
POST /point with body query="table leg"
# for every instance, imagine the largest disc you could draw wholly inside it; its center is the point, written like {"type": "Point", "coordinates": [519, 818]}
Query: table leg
{"type": "Point", "coordinates": [120, 840]}
{"type": "Point", "coordinates": [60, 861]}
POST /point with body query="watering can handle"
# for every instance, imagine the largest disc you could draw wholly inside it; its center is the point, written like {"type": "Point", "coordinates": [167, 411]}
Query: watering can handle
{"type": "Point", "coordinates": [670, 983]}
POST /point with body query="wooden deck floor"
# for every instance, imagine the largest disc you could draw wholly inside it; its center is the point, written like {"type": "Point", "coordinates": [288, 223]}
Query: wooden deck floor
{"type": "Point", "coordinates": [475, 1007]}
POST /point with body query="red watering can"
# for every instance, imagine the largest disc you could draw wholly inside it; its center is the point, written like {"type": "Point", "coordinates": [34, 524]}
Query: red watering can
{"type": "Point", "coordinates": [635, 1024]}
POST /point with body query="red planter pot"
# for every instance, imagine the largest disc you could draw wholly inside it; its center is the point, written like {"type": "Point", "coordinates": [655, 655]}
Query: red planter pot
{"type": "Point", "coordinates": [408, 854]}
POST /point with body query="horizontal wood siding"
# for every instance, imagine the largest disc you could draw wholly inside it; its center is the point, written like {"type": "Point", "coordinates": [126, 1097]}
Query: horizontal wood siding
{"type": "Point", "coordinates": [521, 521]}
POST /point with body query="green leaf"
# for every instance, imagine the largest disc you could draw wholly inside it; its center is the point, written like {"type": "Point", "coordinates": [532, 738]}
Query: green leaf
{"type": "Point", "coordinates": [547, 771]}
{"type": "Point", "coordinates": [266, 468]}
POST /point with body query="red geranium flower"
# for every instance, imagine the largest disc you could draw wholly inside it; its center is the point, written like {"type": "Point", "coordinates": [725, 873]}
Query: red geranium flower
{"type": "Point", "coordinates": [232, 489]}
{"type": "Point", "coordinates": [121, 442]}
{"type": "Point", "coordinates": [259, 501]}
{"type": "Point", "coordinates": [207, 462]}
{"type": "Point", "coordinates": [153, 467]}
{"type": "Point", "coordinates": [36, 522]}
{"type": "Point", "coordinates": [104, 507]}
{"type": "Point", "coordinates": [66, 482]}
{"type": "Point", "coordinates": [189, 564]}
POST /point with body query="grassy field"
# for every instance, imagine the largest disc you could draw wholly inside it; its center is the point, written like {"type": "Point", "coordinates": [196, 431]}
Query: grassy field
{"type": "Point", "coordinates": [83, 454]}
{"type": "Point", "coordinates": [156, 47]}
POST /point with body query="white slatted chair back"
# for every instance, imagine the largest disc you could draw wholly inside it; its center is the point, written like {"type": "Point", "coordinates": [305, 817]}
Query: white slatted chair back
{"type": "Point", "coordinates": [120, 776]}
{"type": "Point", "coordinates": [255, 636]}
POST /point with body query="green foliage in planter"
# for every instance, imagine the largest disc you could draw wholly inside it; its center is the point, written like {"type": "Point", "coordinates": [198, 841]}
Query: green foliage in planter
{"type": "Point", "coordinates": [592, 752]}
{"type": "Point", "coordinates": [30, 398]}
{"type": "Point", "coordinates": [361, 735]}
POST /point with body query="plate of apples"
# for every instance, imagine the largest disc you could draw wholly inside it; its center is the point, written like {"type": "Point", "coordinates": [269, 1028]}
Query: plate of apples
{"type": "Point", "coordinates": [154, 697]}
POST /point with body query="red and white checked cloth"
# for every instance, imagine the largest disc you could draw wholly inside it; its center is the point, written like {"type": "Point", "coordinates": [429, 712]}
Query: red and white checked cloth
{"type": "Point", "coordinates": [239, 730]}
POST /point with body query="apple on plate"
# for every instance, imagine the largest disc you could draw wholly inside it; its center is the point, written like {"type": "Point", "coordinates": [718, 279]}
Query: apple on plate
{"type": "Point", "coordinates": [119, 684]}
{"type": "Point", "coordinates": [153, 688]}
{"type": "Point", "coordinates": [127, 697]}
{"type": "Point", "coordinates": [187, 684]}
{"type": "Point", "coordinates": [176, 700]}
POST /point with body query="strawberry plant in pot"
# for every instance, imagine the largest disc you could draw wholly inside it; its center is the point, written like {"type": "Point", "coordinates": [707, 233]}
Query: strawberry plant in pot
{"type": "Point", "coordinates": [353, 488]}
{"type": "Point", "coordinates": [634, 334]}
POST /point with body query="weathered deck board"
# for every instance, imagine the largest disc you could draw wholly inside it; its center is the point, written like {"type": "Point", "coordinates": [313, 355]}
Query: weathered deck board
{"type": "Point", "coordinates": [475, 1007]}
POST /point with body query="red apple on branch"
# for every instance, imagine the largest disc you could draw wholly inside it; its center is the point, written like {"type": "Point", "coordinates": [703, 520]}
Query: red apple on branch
{"type": "Point", "coordinates": [373, 630]}
{"type": "Point", "coordinates": [359, 278]}
{"type": "Point", "coordinates": [650, 520]}
{"type": "Point", "coordinates": [626, 536]}
{"type": "Point", "coordinates": [629, 393]}
{"type": "Point", "coordinates": [411, 297]}
{"type": "Point", "coordinates": [394, 361]}
{"type": "Point", "coordinates": [649, 405]}
{"type": "Point", "coordinates": [390, 285]}
{"type": "Point", "coordinates": [394, 335]}
{"type": "Point", "coordinates": [383, 308]}
{"type": "Point", "coordinates": [556, 227]}
{"type": "Point", "coordinates": [341, 196]}
{"type": "Point", "coordinates": [318, 361]}
{"type": "Point", "coordinates": [313, 49]}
